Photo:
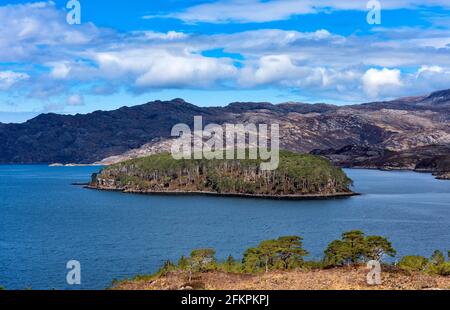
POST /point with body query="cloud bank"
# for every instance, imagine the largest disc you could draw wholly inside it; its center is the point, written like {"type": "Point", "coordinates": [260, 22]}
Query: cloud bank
{"type": "Point", "coordinates": [52, 58]}
{"type": "Point", "coordinates": [257, 11]}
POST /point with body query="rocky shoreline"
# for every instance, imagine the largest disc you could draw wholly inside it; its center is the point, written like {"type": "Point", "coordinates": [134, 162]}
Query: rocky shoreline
{"type": "Point", "coordinates": [298, 176]}
{"type": "Point", "coordinates": [434, 159]}
{"type": "Point", "coordinates": [443, 176]}
{"type": "Point", "coordinates": [230, 195]}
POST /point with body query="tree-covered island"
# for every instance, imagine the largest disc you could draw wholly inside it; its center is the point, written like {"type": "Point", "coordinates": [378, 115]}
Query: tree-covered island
{"type": "Point", "coordinates": [297, 176]}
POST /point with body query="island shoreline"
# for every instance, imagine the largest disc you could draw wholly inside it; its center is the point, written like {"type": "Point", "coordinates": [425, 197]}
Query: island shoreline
{"type": "Point", "coordinates": [228, 195]}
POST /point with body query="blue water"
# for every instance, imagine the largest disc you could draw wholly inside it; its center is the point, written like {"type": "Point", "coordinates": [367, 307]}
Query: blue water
{"type": "Point", "coordinates": [45, 222]}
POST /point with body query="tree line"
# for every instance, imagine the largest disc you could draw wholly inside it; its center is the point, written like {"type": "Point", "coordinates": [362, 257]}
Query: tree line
{"type": "Point", "coordinates": [287, 253]}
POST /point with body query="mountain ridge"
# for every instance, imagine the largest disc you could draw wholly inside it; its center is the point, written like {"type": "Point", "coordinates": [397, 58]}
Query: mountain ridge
{"type": "Point", "coordinates": [86, 138]}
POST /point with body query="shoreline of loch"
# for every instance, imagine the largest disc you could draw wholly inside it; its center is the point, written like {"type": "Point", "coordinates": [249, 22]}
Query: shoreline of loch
{"type": "Point", "coordinates": [438, 175]}
{"type": "Point", "coordinates": [228, 195]}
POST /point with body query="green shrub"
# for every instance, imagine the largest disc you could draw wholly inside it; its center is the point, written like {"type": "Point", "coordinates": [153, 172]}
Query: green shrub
{"type": "Point", "coordinates": [413, 263]}
{"type": "Point", "coordinates": [355, 248]}
{"type": "Point", "coordinates": [168, 267]}
{"type": "Point", "coordinates": [203, 260]}
{"type": "Point", "coordinates": [230, 265]}
{"type": "Point", "coordinates": [438, 265]}
{"type": "Point", "coordinates": [282, 253]}
{"type": "Point", "coordinates": [312, 265]}
{"type": "Point", "coordinates": [183, 263]}
{"type": "Point", "coordinates": [444, 269]}
{"type": "Point", "coordinates": [437, 258]}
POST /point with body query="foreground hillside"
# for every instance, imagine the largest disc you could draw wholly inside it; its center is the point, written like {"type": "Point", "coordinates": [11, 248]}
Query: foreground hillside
{"type": "Point", "coordinates": [298, 175]}
{"type": "Point", "coordinates": [331, 279]}
{"type": "Point", "coordinates": [395, 125]}
{"type": "Point", "coordinates": [280, 264]}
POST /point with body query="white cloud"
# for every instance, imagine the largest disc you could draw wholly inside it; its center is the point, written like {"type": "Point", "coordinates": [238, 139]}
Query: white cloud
{"type": "Point", "coordinates": [60, 70]}
{"type": "Point", "coordinates": [75, 100]}
{"type": "Point", "coordinates": [317, 63]}
{"type": "Point", "coordinates": [242, 11]}
{"type": "Point", "coordinates": [427, 69]}
{"type": "Point", "coordinates": [153, 68]}
{"type": "Point", "coordinates": [385, 80]}
{"type": "Point", "coordinates": [429, 77]}
{"type": "Point", "coordinates": [266, 41]}
{"type": "Point", "coordinates": [9, 78]}
{"type": "Point", "coordinates": [170, 35]}
{"type": "Point", "coordinates": [26, 27]}
{"type": "Point", "coordinates": [250, 11]}
{"type": "Point", "coordinates": [283, 71]}
{"type": "Point", "coordinates": [272, 68]}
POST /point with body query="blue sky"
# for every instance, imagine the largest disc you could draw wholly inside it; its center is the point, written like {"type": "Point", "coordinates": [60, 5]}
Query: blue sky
{"type": "Point", "coordinates": [216, 52]}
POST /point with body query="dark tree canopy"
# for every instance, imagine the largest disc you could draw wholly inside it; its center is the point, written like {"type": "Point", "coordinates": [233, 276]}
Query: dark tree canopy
{"type": "Point", "coordinates": [356, 248]}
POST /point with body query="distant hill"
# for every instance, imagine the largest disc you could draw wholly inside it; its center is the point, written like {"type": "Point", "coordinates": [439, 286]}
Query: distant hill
{"type": "Point", "coordinates": [397, 125]}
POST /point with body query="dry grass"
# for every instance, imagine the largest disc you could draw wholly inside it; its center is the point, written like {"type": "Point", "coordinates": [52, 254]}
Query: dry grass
{"type": "Point", "coordinates": [332, 279]}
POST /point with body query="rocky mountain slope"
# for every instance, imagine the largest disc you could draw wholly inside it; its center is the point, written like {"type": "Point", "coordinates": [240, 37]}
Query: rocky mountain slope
{"type": "Point", "coordinates": [397, 125]}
